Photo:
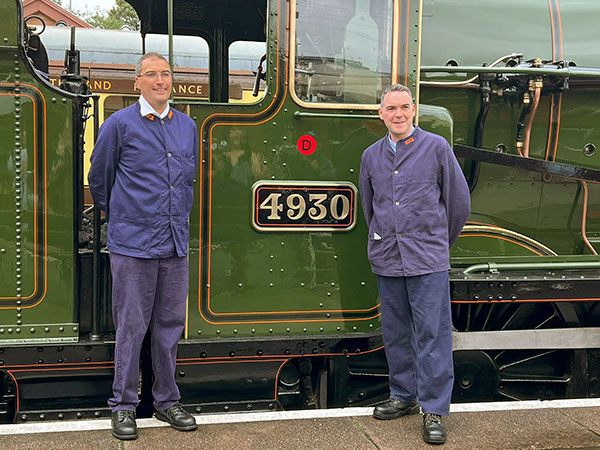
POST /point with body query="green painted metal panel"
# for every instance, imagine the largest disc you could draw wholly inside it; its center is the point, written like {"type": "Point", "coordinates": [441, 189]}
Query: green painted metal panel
{"type": "Point", "coordinates": [8, 22]}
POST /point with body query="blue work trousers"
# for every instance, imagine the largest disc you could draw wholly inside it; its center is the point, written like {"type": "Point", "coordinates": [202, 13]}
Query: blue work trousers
{"type": "Point", "coordinates": [147, 293]}
{"type": "Point", "coordinates": [417, 334]}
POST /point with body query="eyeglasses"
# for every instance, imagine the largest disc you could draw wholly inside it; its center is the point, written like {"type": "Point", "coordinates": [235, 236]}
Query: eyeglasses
{"type": "Point", "coordinates": [151, 75]}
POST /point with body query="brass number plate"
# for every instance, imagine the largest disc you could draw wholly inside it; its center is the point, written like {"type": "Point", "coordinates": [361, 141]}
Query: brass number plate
{"type": "Point", "coordinates": [303, 206]}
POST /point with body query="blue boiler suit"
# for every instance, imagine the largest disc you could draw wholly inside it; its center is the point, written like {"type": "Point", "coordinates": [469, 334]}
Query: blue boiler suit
{"type": "Point", "coordinates": [142, 177]}
{"type": "Point", "coordinates": [415, 200]}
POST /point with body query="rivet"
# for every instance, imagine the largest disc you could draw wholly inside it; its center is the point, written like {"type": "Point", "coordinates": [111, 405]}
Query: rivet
{"type": "Point", "coordinates": [362, 283]}
{"type": "Point", "coordinates": [329, 294]}
{"type": "Point", "coordinates": [199, 331]}
{"type": "Point", "coordinates": [287, 329]}
{"type": "Point", "coordinates": [253, 331]}
{"type": "Point", "coordinates": [301, 284]}
{"type": "Point", "coordinates": [32, 330]}
{"type": "Point", "coordinates": [328, 315]}
{"type": "Point", "coordinates": [270, 284]}
{"type": "Point", "coordinates": [61, 329]}
{"type": "Point", "coordinates": [235, 331]}
{"type": "Point", "coordinates": [61, 416]}
{"type": "Point", "coordinates": [226, 408]}
{"type": "Point", "coordinates": [305, 330]}
{"type": "Point", "coordinates": [270, 330]}
{"type": "Point", "coordinates": [338, 328]}
{"type": "Point", "coordinates": [54, 100]}
{"type": "Point", "coordinates": [79, 415]}
{"type": "Point", "coordinates": [218, 331]}
{"type": "Point", "coordinates": [198, 409]}
{"type": "Point", "coordinates": [282, 244]}
{"type": "Point", "coordinates": [321, 329]}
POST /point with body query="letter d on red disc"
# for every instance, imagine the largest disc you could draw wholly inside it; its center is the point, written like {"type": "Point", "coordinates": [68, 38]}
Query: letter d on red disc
{"type": "Point", "coordinates": [307, 144]}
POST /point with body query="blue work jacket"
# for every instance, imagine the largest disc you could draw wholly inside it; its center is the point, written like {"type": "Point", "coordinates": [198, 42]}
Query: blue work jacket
{"type": "Point", "coordinates": [415, 201]}
{"type": "Point", "coordinates": [142, 177]}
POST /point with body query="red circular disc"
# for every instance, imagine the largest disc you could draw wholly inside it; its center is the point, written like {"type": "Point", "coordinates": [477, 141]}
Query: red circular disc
{"type": "Point", "coordinates": [307, 144]}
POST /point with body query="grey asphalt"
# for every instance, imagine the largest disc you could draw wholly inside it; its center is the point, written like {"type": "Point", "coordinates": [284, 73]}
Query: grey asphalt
{"type": "Point", "coordinates": [556, 428]}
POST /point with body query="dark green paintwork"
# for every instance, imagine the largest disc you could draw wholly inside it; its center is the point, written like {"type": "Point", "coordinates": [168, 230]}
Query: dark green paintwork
{"type": "Point", "coordinates": [265, 281]}
{"type": "Point", "coordinates": [46, 155]}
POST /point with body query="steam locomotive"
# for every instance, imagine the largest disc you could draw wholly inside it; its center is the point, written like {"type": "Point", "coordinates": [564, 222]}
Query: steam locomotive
{"type": "Point", "coordinates": [283, 310]}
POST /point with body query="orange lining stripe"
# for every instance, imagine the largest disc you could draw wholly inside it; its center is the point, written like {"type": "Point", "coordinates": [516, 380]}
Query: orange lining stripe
{"type": "Point", "coordinates": [43, 296]}
{"type": "Point", "coordinates": [210, 214]}
{"type": "Point", "coordinates": [35, 263]}
{"type": "Point", "coordinates": [210, 169]}
{"type": "Point", "coordinates": [504, 239]}
{"type": "Point", "coordinates": [277, 357]}
{"type": "Point", "coordinates": [552, 31]}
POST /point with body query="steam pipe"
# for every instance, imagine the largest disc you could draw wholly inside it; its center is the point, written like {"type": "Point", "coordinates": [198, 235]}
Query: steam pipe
{"type": "Point", "coordinates": [491, 266]}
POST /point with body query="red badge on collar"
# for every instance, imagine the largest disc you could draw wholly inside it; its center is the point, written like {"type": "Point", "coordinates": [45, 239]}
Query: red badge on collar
{"type": "Point", "coordinates": [409, 141]}
{"type": "Point", "coordinates": [150, 116]}
{"type": "Point", "coordinates": [170, 114]}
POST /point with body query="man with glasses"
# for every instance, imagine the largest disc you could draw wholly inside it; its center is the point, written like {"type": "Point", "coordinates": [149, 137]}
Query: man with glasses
{"type": "Point", "coordinates": [142, 177]}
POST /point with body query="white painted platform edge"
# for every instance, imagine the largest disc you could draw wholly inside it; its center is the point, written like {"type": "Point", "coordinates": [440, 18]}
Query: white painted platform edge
{"type": "Point", "coordinates": [105, 424]}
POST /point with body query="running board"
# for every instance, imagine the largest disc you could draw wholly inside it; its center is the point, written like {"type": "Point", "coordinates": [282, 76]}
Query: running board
{"type": "Point", "coordinates": [553, 338]}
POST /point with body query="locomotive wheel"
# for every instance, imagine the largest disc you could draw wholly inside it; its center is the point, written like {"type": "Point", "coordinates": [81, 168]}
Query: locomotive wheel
{"type": "Point", "coordinates": [496, 375]}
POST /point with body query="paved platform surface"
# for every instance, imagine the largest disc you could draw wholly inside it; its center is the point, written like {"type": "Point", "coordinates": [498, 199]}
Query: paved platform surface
{"type": "Point", "coordinates": [514, 425]}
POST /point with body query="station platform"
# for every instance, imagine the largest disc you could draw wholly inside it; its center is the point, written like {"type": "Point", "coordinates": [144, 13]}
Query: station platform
{"type": "Point", "coordinates": [557, 424]}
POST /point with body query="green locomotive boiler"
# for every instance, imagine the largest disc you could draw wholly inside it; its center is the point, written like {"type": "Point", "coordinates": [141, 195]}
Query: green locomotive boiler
{"type": "Point", "coordinates": [283, 309]}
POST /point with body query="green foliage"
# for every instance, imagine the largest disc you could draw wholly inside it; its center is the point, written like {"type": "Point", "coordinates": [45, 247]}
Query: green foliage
{"type": "Point", "coordinates": [120, 14]}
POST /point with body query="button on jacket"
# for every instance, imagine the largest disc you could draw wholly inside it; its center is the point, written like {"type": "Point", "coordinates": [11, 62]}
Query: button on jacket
{"type": "Point", "coordinates": [142, 177]}
{"type": "Point", "coordinates": [415, 201]}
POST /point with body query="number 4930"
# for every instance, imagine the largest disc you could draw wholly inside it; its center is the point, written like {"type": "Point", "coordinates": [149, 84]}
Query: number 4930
{"type": "Point", "coordinates": [304, 206]}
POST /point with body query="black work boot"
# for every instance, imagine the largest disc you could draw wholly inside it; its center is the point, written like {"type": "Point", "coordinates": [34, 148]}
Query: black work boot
{"type": "Point", "coordinates": [433, 429]}
{"type": "Point", "coordinates": [392, 409]}
{"type": "Point", "coordinates": [123, 425]}
{"type": "Point", "coordinates": [177, 417]}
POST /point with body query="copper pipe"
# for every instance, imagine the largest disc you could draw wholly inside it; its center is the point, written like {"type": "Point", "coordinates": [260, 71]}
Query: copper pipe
{"type": "Point", "coordinates": [584, 218]}
{"type": "Point", "coordinates": [527, 137]}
